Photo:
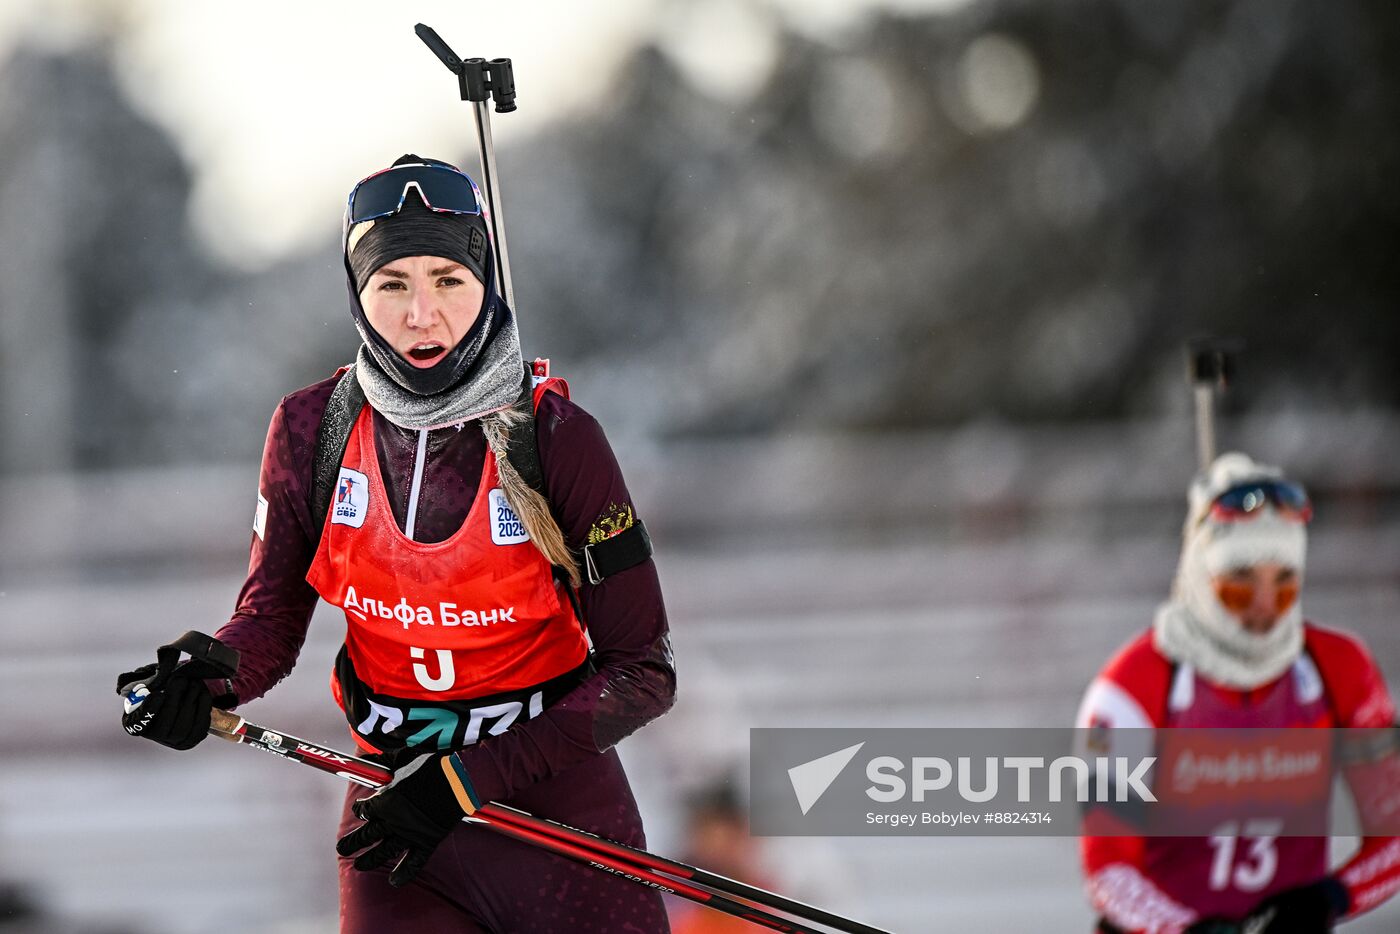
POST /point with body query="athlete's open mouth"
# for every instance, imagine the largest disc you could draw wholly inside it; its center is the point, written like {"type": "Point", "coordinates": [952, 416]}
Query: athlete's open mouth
{"type": "Point", "coordinates": [426, 353]}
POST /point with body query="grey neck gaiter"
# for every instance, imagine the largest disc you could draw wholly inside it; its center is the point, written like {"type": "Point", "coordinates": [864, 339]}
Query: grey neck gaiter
{"type": "Point", "coordinates": [494, 384]}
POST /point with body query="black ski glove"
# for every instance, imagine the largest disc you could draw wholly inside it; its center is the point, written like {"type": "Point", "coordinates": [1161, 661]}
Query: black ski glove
{"type": "Point", "coordinates": [1212, 926]}
{"type": "Point", "coordinates": [174, 713]}
{"type": "Point", "coordinates": [1305, 909]}
{"type": "Point", "coordinates": [169, 702]}
{"type": "Point", "coordinates": [410, 816]}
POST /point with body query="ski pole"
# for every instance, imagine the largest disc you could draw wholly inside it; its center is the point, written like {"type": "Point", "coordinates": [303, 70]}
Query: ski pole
{"type": "Point", "coordinates": [216, 659]}
{"type": "Point", "coordinates": [480, 81]}
{"type": "Point", "coordinates": [649, 878]}
{"type": "Point", "coordinates": [609, 856]}
{"type": "Point", "coordinates": [753, 893]}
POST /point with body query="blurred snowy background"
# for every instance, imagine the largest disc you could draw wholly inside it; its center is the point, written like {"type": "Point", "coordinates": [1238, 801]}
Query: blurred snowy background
{"type": "Point", "coordinates": [883, 305]}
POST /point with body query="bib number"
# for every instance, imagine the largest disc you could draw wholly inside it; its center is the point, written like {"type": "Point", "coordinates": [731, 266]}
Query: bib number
{"type": "Point", "coordinates": [1251, 870]}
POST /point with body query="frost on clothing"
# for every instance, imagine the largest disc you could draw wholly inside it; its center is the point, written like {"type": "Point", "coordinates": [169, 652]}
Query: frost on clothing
{"type": "Point", "coordinates": [626, 620]}
{"type": "Point", "coordinates": [1163, 885]}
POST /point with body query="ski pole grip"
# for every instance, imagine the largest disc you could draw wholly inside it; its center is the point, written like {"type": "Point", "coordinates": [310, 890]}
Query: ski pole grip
{"type": "Point", "coordinates": [433, 41]}
{"type": "Point", "coordinates": [225, 724]}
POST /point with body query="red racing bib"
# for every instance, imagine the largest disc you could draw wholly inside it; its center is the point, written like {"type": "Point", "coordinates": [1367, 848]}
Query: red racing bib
{"type": "Point", "coordinates": [1248, 860]}
{"type": "Point", "coordinates": [478, 615]}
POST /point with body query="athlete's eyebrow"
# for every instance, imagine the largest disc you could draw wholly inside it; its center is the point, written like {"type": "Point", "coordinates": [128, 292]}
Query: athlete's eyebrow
{"type": "Point", "coordinates": [393, 273]}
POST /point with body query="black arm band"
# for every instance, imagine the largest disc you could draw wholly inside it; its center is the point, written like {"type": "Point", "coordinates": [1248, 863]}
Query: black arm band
{"type": "Point", "coordinates": [626, 549]}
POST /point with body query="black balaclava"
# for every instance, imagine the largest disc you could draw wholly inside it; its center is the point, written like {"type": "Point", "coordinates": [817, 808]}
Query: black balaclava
{"type": "Point", "coordinates": [417, 231]}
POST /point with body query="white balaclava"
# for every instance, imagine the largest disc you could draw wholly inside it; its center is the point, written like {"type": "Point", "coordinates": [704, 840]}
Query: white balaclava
{"type": "Point", "coordinates": [1194, 627]}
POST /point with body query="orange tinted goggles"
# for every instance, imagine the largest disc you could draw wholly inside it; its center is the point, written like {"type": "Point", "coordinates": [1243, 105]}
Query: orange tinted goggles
{"type": "Point", "coordinates": [1239, 596]}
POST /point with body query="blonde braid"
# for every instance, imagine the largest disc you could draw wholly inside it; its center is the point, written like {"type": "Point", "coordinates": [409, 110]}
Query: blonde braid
{"type": "Point", "coordinates": [529, 505]}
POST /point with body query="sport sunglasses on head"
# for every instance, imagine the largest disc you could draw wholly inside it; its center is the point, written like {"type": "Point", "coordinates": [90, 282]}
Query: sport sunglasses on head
{"type": "Point", "coordinates": [442, 188]}
{"type": "Point", "coordinates": [1289, 500]}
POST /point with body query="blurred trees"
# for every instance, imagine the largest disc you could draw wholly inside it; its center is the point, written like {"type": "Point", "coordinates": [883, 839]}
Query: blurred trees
{"type": "Point", "coordinates": [1020, 210]}
{"type": "Point", "coordinates": [1017, 210]}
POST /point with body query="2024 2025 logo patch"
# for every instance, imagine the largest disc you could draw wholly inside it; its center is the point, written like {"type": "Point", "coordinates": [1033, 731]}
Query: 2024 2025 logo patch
{"type": "Point", "coordinates": [506, 527]}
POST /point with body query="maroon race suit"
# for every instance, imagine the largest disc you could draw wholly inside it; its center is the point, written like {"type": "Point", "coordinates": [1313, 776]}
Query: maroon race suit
{"type": "Point", "coordinates": [558, 761]}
